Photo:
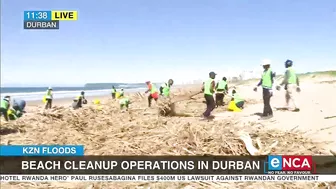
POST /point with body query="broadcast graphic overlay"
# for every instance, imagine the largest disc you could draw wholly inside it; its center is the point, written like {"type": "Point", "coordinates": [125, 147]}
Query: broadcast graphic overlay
{"type": "Point", "coordinates": [301, 165]}
{"type": "Point", "coordinates": [58, 163]}
{"type": "Point", "coordinates": [47, 19]}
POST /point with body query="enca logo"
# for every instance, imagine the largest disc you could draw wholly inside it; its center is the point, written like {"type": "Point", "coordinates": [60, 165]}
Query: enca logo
{"type": "Point", "coordinates": [290, 163]}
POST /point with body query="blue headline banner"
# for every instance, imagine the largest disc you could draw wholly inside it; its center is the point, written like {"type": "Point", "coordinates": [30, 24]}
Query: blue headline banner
{"type": "Point", "coordinates": [42, 150]}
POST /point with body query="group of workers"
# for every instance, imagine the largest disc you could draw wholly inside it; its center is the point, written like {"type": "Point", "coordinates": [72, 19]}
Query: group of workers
{"type": "Point", "coordinates": [154, 93]}
{"type": "Point", "coordinates": [124, 101]}
{"type": "Point", "coordinates": [220, 89]}
{"type": "Point", "coordinates": [14, 111]}
{"type": "Point", "coordinates": [290, 83]}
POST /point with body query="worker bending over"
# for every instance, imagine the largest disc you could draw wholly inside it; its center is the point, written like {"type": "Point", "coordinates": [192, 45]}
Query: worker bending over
{"type": "Point", "coordinates": [124, 102]}
{"type": "Point", "coordinates": [208, 90]}
{"type": "Point", "coordinates": [49, 98]}
{"type": "Point", "coordinates": [221, 90]}
{"type": "Point", "coordinates": [291, 82]}
{"type": "Point", "coordinates": [17, 109]}
{"type": "Point", "coordinates": [5, 105]}
{"type": "Point", "coordinates": [154, 94]}
{"type": "Point", "coordinates": [165, 88]}
{"type": "Point", "coordinates": [239, 101]}
{"type": "Point", "coordinates": [266, 82]}
{"type": "Point", "coordinates": [79, 101]}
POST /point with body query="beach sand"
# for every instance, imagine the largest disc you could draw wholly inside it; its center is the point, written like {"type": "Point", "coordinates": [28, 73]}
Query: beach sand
{"type": "Point", "coordinates": [105, 130]}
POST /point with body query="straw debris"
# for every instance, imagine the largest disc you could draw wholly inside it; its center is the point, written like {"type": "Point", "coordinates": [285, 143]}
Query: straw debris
{"type": "Point", "coordinates": [105, 130]}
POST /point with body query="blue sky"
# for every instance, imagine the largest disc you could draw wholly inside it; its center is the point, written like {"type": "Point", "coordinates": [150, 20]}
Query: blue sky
{"type": "Point", "coordinates": [135, 41]}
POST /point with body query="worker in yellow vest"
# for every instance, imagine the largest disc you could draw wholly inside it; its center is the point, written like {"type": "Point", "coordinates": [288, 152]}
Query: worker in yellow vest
{"type": "Point", "coordinates": [5, 105]}
{"type": "Point", "coordinates": [221, 90]}
{"type": "Point", "coordinates": [154, 93]}
{"type": "Point", "coordinates": [292, 84]}
{"type": "Point", "coordinates": [124, 102]}
{"type": "Point", "coordinates": [208, 90]}
{"type": "Point", "coordinates": [114, 91]}
{"type": "Point", "coordinates": [266, 82]}
{"type": "Point", "coordinates": [79, 101]}
{"type": "Point", "coordinates": [165, 88]}
{"type": "Point", "coordinates": [239, 101]}
{"type": "Point", "coordinates": [121, 92]}
{"type": "Point", "coordinates": [49, 98]}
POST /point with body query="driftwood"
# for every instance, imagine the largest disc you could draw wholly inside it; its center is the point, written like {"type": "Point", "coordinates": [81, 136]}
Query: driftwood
{"type": "Point", "coordinates": [166, 106]}
{"type": "Point", "coordinates": [330, 117]}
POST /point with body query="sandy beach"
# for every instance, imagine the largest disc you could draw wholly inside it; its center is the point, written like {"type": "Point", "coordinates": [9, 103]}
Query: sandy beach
{"type": "Point", "coordinates": [105, 130]}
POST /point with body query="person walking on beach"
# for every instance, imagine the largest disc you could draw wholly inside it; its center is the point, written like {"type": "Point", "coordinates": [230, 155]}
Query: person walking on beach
{"type": "Point", "coordinates": [266, 82]}
{"type": "Point", "coordinates": [221, 90]}
{"type": "Point", "coordinates": [208, 90]}
{"type": "Point", "coordinates": [114, 91]}
{"type": "Point", "coordinates": [292, 84]}
{"type": "Point", "coordinates": [165, 88]}
{"type": "Point", "coordinates": [5, 105]}
{"type": "Point", "coordinates": [49, 98]}
{"type": "Point", "coordinates": [154, 94]}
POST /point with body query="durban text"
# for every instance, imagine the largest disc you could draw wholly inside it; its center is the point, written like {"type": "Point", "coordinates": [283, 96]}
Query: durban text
{"type": "Point", "coordinates": [236, 165]}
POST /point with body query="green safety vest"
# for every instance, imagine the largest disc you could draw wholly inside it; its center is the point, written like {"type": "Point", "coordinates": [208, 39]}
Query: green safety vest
{"type": "Point", "coordinates": [114, 90]}
{"type": "Point", "coordinates": [267, 80]}
{"type": "Point", "coordinates": [124, 101]}
{"type": "Point", "coordinates": [207, 87]}
{"type": "Point", "coordinates": [4, 104]}
{"type": "Point", "coordinates": [221, 84]}
{"type": "Point", "coordinates": [80, 97]}
{"type": "Point", "coordinates": [292, 76]}
{"type": "Point", "coordinates": [49, 94]}
{"type": "Point", "coordinates": [153, 89]}
{"type": "Point", "coordinates": [237, 98]}
{"type": "Point", "coordinates": [166, 90]}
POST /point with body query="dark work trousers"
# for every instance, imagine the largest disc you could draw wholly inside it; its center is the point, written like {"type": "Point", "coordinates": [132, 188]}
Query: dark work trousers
{"type": "Point", "coordinates": [150, 98]}
{"type": "Point", "coordinates": [80, 102]}
{"type": "Point", "coordinates": [113, 95]}
{"type": "Point", "coordinates": [267, 106]}
{"type": "Point", "coordinates": [219, 99]}
{"type": "Point", "coordinates": [210, 103]}
{"type": "Point", "coordinates": [48, 104]}
{"type": "Point", "coordinates": [3, 112]}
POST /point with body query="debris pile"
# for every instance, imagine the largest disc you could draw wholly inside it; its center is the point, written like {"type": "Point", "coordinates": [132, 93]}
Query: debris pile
{"type": "Point", "coordinates": [108, 131]}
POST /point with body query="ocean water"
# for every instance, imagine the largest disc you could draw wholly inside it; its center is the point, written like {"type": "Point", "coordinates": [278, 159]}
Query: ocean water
{"type": "Point", "coordinates": [37, 93]}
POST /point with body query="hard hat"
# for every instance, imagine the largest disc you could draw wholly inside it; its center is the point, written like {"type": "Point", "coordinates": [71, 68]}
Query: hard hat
{"type": "Point", "coordinates": [266, 62]}
{"type": "Point", "coordinates": [147, 81]}
{"type": "Point", "coordinates": [122, 89]}
{"type": "Point", "coordinates": [50, 88]}
{"type": "Point", "coordinates": [288, 63]}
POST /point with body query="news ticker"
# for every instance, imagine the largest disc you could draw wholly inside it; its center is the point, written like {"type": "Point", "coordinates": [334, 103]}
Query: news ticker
{"type": "Point", "coordinates": [167, 178]}
{"type": "Point", "coordinates": [163, 165]}
{"type": "Point", "coordinates": [47, 19]}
